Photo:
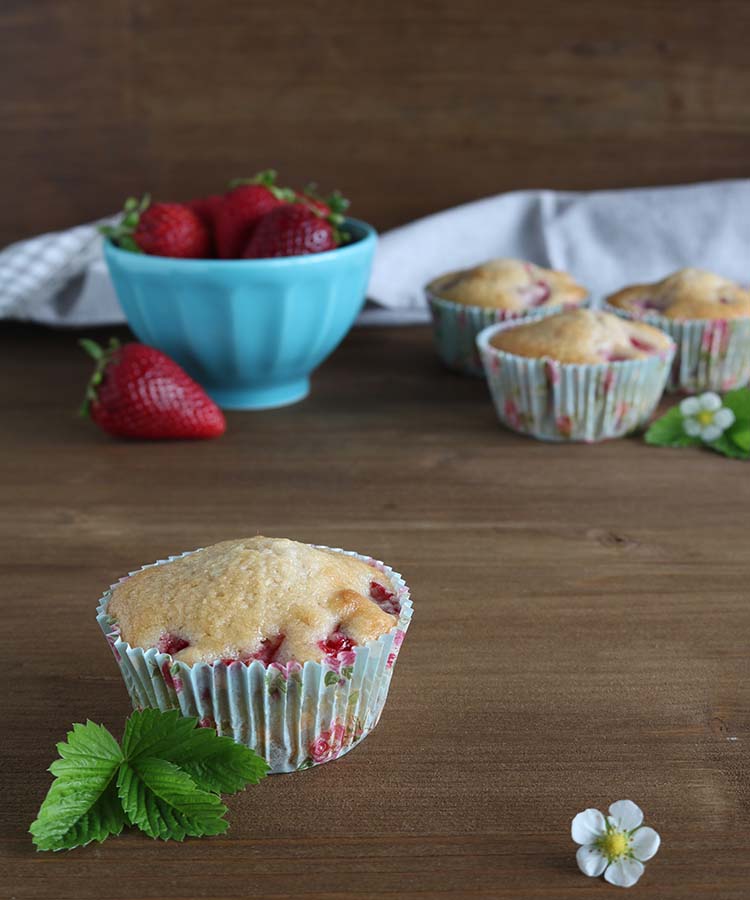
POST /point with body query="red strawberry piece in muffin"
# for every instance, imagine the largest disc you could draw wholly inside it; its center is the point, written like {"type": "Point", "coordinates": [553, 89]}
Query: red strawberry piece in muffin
{"type": "Point", "coordinates": [385, 599]}
{"type": "Point", "coordinates": [171, 643]}
{"type": "Point", "coordinates": [336, 643]}
{"type": "Point", "coordinates": [268, 651]}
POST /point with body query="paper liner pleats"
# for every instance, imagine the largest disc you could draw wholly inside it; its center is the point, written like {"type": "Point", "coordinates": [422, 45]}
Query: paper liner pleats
{"type": "Point", "coordinates": [565, 402]}
{"type": "Point", "coordinates": [455, 327]}
{"type": "Point", "coordinates": [712, 354]}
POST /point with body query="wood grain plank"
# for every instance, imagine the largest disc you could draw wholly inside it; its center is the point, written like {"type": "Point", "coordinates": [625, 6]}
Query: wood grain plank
{"type": "Point", "coordinates": [409, 108]}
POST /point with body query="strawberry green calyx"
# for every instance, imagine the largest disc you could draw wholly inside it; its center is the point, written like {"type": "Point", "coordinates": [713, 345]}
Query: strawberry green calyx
{"type": "Point", "coordinates": [335, 202]}
{"type": "Point", "coordinates": [103, 357]}
{"type": "Point", "coordinates": [267, 179]}
{"type": "Point", "coordinates": [335, 220]}
{"type": "Point", "coordinates": [340, 236]}
{"type": "Point", "coordinates": [122, 233]}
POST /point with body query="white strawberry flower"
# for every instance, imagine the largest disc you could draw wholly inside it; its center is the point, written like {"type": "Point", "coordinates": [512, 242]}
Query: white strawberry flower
{"type": "Point", "coordinates": [705, 417]}
{"type": "Point", "coordinates": [616, 845]}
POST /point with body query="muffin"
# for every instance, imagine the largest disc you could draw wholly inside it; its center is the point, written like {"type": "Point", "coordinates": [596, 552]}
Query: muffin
{"type": "Point", "coordinates": [287, 647]}
{"type": "Point", "coordinates": [464, 302]}
{"type": "Point", "coordinates": [708, 317]}
{"type": "Point", "coordinates": [580, 375]}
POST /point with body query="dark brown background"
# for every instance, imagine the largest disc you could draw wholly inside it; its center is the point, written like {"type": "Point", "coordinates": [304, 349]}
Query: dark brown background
{"type": "Point", "coordinates": [409, 107]}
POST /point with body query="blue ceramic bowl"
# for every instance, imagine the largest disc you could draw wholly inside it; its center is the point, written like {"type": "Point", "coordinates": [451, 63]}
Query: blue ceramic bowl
{"type": "Point", "coordinates": [249, 330]}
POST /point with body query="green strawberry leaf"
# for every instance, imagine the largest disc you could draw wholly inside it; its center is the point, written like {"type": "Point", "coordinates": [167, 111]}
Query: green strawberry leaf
{"type": "Point", "coordinates": [668, 431]}
{"type": "Point", "coordinates": [164, 802]}
{"type": "Point", "coordinates": [214, 763]}
{"type": "Point", "coordinates": [739, 434]}
{"type": "Point", "coordinates": [82, 804]}
{"type": "Point", "coordinates": [739, 402]}
{"type": "Point", "coordinates": [224, 767]}
{"type": "Point", "coordinates": [166, 781]}
{"type": "Point", "coordinates": [726, 445]}
{"type": "Point", "coordinates": [151, 732]}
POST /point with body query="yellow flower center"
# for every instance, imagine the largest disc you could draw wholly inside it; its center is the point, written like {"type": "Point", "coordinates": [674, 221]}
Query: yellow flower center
{"type": "Point", "coordinates": [705, 417]}
{"type": "Point", "coordinates": [614, 844]}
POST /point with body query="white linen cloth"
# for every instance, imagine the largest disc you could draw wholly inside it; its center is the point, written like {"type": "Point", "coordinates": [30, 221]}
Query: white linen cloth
{"type": "Point", "coordinates": [605, 239]}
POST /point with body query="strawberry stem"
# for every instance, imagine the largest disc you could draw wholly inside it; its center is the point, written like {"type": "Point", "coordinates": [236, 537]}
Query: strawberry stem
{"type": "Point", "coordinates": [335, 201]}
{"type": "Point", "coordinates": [91, 347]}
{"type": "Point", "coordinates": [122, 233]}
{"type": "Point", "coordinates": [266, 178]}
{"type": "Point", "coordinates": [103, 357]}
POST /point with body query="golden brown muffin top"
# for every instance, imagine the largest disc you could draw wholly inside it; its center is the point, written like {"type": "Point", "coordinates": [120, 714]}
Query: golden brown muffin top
{"type": "Point", "coordinates": [686, 294]}
{"type": "Point", "coordinates": [259, 598]}
{"type": "Point", "coordinates": [509, 284]}
{"type": "Point", "coordinates": [582, 336]}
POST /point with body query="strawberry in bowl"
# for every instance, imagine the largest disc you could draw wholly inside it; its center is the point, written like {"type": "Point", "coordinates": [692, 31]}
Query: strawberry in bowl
{"type": "Point", "coordinates": [248, 290]}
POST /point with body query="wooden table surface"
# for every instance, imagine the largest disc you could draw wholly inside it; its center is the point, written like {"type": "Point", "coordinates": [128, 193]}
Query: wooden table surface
{"type": "Point", "coordinates": [580, 635]}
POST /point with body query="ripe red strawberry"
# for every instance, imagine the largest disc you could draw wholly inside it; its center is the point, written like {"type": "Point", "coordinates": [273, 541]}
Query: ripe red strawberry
{"type": "Point", "coordinates": [206, 208]}
{"type": "Point", "coordinates": [161, 229]}
{"type": "Point", "coordinates": [139, 392]}
{"type": "Point", "coordinates": [291, 230]}
{"type": "Point", "coordinates": [242, 207]}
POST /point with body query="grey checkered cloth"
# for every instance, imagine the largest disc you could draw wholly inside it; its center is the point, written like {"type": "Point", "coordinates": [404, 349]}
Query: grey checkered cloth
{"type": "Point", "coordinates": [43, 278]}
{"type": "Point", "coordinates": [606, 239]}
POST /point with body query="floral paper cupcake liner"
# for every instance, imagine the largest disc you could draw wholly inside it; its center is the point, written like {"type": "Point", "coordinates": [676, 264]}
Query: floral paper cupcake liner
{"type": "Point", "coordinates": [294, 715]}
{"type": "Point", "coordinates": [712, 354]}
{"type": "Point", "coordinates": [455, 327]}
{"type": "Point", "coordinates": [555, 401]}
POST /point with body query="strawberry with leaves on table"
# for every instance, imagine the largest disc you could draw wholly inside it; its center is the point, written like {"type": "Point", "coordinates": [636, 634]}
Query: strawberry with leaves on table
{"type": "Point", "coordinates": [137, 391]}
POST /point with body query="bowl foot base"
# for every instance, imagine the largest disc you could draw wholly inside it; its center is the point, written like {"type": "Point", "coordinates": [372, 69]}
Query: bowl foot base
{"type": "Point", "coordinates": [261, 397]}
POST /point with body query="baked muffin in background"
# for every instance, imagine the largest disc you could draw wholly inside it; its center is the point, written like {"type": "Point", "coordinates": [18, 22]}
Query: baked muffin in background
{"type": "Point", "coordinates": [579, 375]}
{"type": "Point", "coordinates": [287, 647]}
{"type": "Point", "coordinates": [464, 302]}
{"type": "Point", "coordinates": [686, 294]}
{"type": "Point", "coordinates": [583, 336]}
{"type": "Point", "coordinates": [509, 284]}
{"type": "Point", "coordinates": [708, 317]}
